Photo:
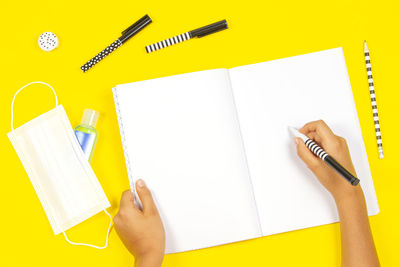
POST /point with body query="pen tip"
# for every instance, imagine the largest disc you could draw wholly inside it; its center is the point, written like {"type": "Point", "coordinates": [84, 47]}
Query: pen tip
{"type": "Point", "coordinates": [365, 45]}
{"type": "Point", "coordinates": [292, 130]}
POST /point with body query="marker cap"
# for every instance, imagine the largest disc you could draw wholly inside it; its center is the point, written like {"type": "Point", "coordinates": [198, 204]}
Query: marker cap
{"type": "Point", "coordinates": [135, 28]}
{"type": "Point", "coordinates": [209, 29]}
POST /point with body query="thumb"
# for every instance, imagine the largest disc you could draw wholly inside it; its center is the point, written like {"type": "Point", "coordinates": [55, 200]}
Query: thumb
{"type": "Point", "coordinates": [145, 196]}
{"type": "Point", "coordinates": [306, 155]}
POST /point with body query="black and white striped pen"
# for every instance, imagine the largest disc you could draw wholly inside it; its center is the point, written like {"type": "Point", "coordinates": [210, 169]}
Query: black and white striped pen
{"type": "Point", "coordinates": [200, 32]}
{"type": "Point", "coordinates": [373, 101]}
{"type": "Point", "coordinates": [319, 152]}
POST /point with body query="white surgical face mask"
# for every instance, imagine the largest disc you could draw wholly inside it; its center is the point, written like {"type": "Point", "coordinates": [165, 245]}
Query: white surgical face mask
{"type": "Point", "coordinates": [63, 179]}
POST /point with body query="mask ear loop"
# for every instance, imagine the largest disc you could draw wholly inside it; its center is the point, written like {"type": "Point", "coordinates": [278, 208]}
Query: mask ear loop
{"type": "Point", "coordinates": [19, 90]}
{"type": "Point", "coordinates": [89, 245]}
{"type": "Point", "coordinates": [12, 129]}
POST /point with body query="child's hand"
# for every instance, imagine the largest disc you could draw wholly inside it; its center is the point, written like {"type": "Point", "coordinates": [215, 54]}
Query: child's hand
{"type": "Point", "coordinates": [358, 247]}
{"type": "Point", "coordinates": [334, 145]}
{"type": "Point", "coordinates": [141, 232]}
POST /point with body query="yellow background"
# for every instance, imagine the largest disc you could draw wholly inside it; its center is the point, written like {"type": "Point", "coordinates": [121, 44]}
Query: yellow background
{"type": "Point", "coordinates": [259, 31]}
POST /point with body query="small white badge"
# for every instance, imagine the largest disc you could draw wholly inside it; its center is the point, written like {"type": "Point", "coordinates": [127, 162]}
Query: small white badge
{"type": "Point", "coordinates": [48, 41]}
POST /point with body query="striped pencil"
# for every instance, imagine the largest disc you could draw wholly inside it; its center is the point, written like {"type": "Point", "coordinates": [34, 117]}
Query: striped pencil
{"type": "Point", "coordinates": [373, 100]}
{"type": "Point", "coordinates": [200, 32]}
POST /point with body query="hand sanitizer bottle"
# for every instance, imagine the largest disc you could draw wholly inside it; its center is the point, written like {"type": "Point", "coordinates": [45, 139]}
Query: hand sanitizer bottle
{"type": "Point", "coordinates": [86, 133]}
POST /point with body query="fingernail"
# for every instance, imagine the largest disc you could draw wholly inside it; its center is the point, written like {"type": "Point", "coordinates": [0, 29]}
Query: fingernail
{"type": "Point", "coordinates": [296, 141]}
{"type": "Point", "coordinates": [140, 183]}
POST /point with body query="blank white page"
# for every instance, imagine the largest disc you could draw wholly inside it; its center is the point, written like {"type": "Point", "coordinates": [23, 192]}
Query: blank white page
{"type": "Point", "coordinates": [292, 91]}
{"type": "Point", "coordinates": [182, 137]}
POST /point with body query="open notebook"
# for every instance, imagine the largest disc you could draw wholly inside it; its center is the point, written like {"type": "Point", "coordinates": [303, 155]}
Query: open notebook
{"type": "Point", "coordinates": [215, 150]}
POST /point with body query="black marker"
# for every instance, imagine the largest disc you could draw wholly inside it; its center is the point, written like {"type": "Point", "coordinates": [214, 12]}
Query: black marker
{"type": "Point", "coordinates": [319, 152]}
{"type": "Point", "coordinates": [200, 32]}
{"type": "Point", "coordinates": [126, 35]}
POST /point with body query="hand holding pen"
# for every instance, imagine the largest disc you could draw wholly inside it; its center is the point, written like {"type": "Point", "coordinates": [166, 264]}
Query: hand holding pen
{"type": "Point", "coordinates": [336, 147]}
{"type": "Point", "coordinates": [126, 35]}
{"type": "Point", "coordinates": [357, 243]}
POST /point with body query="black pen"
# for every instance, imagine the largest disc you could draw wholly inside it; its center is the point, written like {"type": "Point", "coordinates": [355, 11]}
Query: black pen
{"type": "Point", "coordinates": [200, 32]}
{"type": "Point", "coordinates": [319, 152]}
{"type": "Point", "coordinates": [126, 35]}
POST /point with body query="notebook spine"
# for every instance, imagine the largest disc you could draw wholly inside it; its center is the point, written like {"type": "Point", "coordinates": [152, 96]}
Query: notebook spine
{"type": "Point", "coordinates": [123, 140]}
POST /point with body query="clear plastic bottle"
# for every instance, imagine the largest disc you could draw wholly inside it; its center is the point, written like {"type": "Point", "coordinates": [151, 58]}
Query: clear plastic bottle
{"type": "Point", "coordinates": [86, 132]}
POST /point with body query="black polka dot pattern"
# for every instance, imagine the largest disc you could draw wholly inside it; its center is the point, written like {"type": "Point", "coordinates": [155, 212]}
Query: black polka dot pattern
{"type": "Point", "coordinates": [48, 41]}
{"type": "Point", "coordinates": [101, 55]}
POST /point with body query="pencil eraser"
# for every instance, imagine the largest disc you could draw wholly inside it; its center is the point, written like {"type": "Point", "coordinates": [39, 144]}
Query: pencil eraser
{"type": "Point", "coordinates": [48, 41]}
